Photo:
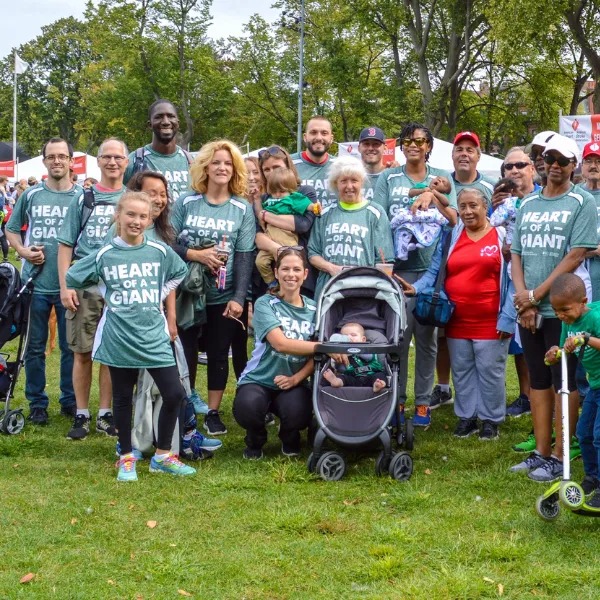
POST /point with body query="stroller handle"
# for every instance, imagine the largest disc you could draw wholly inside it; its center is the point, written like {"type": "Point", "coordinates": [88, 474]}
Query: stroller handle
{"type": "Point", "coordinates": [393, 350]}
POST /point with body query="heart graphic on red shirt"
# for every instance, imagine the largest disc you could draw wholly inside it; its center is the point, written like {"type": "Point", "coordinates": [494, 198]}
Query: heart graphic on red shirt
{"type": "Point", "coordinates": [489, 250]}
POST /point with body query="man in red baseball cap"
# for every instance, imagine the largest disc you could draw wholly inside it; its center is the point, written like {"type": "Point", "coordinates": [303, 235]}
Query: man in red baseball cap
{"type": "Point", "coordinates": [590, 169]}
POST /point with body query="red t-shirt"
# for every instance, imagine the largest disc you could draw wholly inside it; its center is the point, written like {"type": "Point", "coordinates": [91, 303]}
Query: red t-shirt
{"type": "Point", "coordinates": [473, 284]}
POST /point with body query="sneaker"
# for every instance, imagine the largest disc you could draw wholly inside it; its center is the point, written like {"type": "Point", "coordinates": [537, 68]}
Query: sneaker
{"type": "Point", "coordinates": [170, 464]}
{"type": "Point", "coordinates": [269, 419]}
{"type": "Point", "coordinates": [80, 428]}
{"type": "Point", "coordinates": [439, 397]}
{"type": "Point", "coordinates": [526, 446]}
{"type": "Point", "coordinates": [521, 406]}
{"type": "Point", "coordinates": [213, 423]}
{"type": "Point", "coordinates": [550, 471]}
{"type": "Point", "coordinates": [589, 484]}
{"type": "Point", "coordinates": [532, 462]}
{"type": "Point", "coordinates": [202, 358]}
{"type": "Point", "coordinates": [38, 416]}
{"type": "Point", "coordinates": [105, 424]}
{"type": "Point", "coordinates": [69, 411]}
{"type": "Point", "coordinates": [290, 451]}
{"type": "Point", "coordinates": [198, 445]}
{"type": "Point", "coordinates": [422, 416]}
{"type": "Point", "coordinates": [594, 501]}
{"type": "Point", "coordinates": [253, 454]}
{"type": "Point", "coordinates": [137, 454]}
{"type": "Point", "coordinates": [488, 431]}
{"type": "Point", "coordinates": [200, 407]}
{"type": "Point", "coordinates": [126, 466]}
{"type": "Point", "coordinates": [574, 449]}
{"type": "Point", "coordinates": [465, 428]}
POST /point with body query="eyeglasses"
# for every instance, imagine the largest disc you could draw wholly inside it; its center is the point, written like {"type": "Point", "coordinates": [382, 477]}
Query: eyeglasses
{"type": "Point", "coordinates": [271, 151]}
{"type": "Point", "coordinates": [57, 158]}
{"type": "Point", "coordinates": [406, 142]}
{"type": "Point", "coordinates": [282, 249]}
{"type": "Point", "coordinates": [116, 157]}
{"type": "Point", "coordinates": [591, 161]}
{"type": "Point", "coordinates": [516, 165]}
{"type": "Point", "coordinates": [562, 161]}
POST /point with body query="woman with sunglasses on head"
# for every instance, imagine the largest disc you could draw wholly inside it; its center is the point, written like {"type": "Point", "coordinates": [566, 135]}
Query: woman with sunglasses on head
{"type": "Point", "coordinates": [392, 193]}
{"type": "Point", "coordinates": [554, 229]}
{"type": "Point", "coordinates": [275, 379]}
{"type": "Point", "coordinates": [270, 160]}
{"type": "Point", "coordinates": [217, 224]}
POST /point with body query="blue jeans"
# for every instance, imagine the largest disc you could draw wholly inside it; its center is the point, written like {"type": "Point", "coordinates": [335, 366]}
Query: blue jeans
{"type": "Point", "coordinates": [35, 355]}
{"type": "Point", "coordinates": [588, 433]}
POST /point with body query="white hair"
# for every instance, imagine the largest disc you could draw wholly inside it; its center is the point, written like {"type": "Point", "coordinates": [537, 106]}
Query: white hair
{"type": "Point", "coordinates": [342, 167]}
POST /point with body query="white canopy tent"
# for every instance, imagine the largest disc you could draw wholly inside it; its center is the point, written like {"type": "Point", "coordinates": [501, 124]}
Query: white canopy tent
{"type": "Point", "coordinates": [35, 167]}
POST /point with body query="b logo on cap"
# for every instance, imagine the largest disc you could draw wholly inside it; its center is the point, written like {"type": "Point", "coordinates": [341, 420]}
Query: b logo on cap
{"type": "Point", "coordinates": [372, 131]}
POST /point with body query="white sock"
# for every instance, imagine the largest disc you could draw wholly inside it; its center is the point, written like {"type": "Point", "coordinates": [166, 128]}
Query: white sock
{"type": "Point", "coordinates": [160, 457]}
{"type": "Point", "coordinates": [83, 411]}
{"type": "Point", "coordinates": [445, 387]}
{"type": "Point", "coordinates": [103, 411]}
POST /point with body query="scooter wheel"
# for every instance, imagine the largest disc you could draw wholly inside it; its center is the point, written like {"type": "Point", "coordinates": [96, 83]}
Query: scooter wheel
{"type": "Point", "coordinates": [331, 466]}
{"type": "Point", "coordinates": [547, 508]}
{"type": "Point", "coordinates": [401, 466]}
{"type": "Point", "coordinates": [571, 494]}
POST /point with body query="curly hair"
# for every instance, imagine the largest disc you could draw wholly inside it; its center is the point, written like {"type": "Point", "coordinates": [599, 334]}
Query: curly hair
{"type": "Point", "coordinates": [199, 168]}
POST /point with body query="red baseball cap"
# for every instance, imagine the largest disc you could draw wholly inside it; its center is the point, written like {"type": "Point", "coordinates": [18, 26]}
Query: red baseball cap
{"type": "Point", "coordinates": [467, 135]}
{"type": "Point", "coordinates": [593, 148]}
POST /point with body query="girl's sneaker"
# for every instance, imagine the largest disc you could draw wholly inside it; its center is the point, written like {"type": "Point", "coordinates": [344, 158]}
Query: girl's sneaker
{"type": "Point", "coordinates": [126, 466]}
{"type": "Point", "coordinates": [170, 464]}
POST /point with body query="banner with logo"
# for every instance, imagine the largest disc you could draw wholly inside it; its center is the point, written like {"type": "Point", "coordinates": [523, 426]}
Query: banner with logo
{"type": "Point", "coordinates": [351, 149]}
{"type": "Point", "coordinates": [7, 168]}
{"type": "Point", "coordinates": [581, 128]}
{"type": "Point", "coordinates": [80, 165]}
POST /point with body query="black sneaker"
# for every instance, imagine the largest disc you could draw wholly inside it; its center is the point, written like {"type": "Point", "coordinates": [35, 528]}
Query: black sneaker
{"type": "Point", "coordinates": [521, 406]}
{"type": "Point", "coordinates": [465, 428]}
{"type": "Point", "coordinates": [105, 424]}
{"type": "Point", "coordinates": [439, 397]}
{"type": "Point", "coordinates": [80, 428]}
{"type": "Point", "coordinates": [488, 431]}
{"type": "Point", "coordinates": [38, 416]}
{"type": "Point", "coordinates": [269, 419]}
{"type": "Point", "coordinates": [253, 454]}
{"type": "Point", "coordinates": [213, 423]}
{"type": "Point", "coordinates": [594, 501]}
{"type": "Point", "coordinates": [289, 450]}
{"type": "Point", "coordinates": [69, 411]}
{"type": "Point", "coordinates": [589, 484]}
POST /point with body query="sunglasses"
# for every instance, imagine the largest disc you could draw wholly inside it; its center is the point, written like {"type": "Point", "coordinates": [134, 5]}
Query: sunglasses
{"type": "Point", "coordinates": [271, 151]}
{"type": "Point", "coordinates": [282, 249]}
{"type": "Point", "coordinates": [406, 142]}
{"type": "Point", "coordinates": [562, 161]}
{"type": "Point", "coordinates": [516, 165]}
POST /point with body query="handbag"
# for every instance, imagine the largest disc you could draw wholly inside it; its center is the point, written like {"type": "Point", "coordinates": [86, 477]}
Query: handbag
{"type": "Point", "coordinates": [432, 306]}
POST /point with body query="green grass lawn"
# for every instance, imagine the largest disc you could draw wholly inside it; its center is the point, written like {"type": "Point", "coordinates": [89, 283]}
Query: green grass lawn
{"type": "Point", "coordinates": [462, 527]}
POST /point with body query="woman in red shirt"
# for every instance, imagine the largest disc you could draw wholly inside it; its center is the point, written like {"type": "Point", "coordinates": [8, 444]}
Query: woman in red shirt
{"type": "Point", "coordinates": [483, 319]}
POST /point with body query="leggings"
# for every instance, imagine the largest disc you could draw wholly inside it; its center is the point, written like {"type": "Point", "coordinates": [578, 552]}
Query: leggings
{"type": "Point", "coordinates": [239, 345]}
{"type": "Point", "coordinates": [293, 407]}
{"type": "Point", "coordinates": [171, 390]}
{"type": "Point", "coordinates": [189, 340]}
{"type": "Point", "coordinates": [4, 243]}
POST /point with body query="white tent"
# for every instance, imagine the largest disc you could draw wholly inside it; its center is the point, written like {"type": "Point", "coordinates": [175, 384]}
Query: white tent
{"type": "Point", "coordinates": [35, 167]}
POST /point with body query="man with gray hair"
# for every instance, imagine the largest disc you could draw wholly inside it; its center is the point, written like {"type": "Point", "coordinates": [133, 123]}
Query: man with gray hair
{"type": "Point", "coordinates": [83, 231]}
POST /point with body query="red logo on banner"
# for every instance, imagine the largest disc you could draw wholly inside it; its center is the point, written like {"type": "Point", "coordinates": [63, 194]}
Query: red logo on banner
{"type": "Point", "coordinates": [389, 153]}
{"type": "Point", "coordinates": [80, 165]}
{"type": "Point", "coordinates": [7, 168]}
{"type": "Point", "coordinates": [575, 125]}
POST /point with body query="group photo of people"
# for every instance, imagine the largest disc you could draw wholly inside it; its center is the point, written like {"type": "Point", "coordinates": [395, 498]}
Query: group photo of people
{"type": "Point", "coordinates": [170, 261]}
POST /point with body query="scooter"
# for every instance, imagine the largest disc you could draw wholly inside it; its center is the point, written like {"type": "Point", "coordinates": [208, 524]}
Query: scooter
{"type": "Point", "coordinates": [567, 492]}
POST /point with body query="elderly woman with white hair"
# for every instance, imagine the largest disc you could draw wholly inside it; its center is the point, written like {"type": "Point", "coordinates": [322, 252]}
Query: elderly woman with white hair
{"type": "Point", "coordinates": [351, 232]}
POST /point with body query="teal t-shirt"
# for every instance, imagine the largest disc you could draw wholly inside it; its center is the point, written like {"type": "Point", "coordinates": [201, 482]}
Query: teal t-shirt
{"type": "Point", "coordinates": [391, 193]}
{"type": "Point", "coordinates": [594, 263]}
{"type": "Point", "coordinates": [44, 210]}
{"type": "Point", "coordinates": [587, 323]}
{"type": "Point", "coordinates": [175, 167]}
{"type": "Point", "coordinates": [297, 323]}
{"type": "Point", "coordinates": [230, 224]}
{"type": "Point", "coordinates": [357, 238]}
{"type": "Point", "coordinates": [292, 204]}
{"type": "Point", "coordinates": [134, 281]}
{"type": "Point", "coordinates": [92, 237]}
{"type": "Point", "coordinates": [482, 183]}
{"type": "Point", "coordinates": [547, 229]}
{"type": "Point", "coordinates": [316, 176]}
{"type": "Point", "coordinates": [369, 185]}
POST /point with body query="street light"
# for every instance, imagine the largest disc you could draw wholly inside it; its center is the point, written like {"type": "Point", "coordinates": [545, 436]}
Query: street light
{"type": "Point", "coordinates": [300, 80]}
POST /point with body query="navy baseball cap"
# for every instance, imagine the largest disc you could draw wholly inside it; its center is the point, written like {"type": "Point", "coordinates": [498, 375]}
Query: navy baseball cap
{"type": "Point", "coordinates": [372, 133]}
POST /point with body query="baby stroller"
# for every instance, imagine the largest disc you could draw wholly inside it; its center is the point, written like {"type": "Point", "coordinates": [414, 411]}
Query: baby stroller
{"type": "Point", "coordinates": [354, 416]}
{"type": "Point", "coordinates": [15, 299]}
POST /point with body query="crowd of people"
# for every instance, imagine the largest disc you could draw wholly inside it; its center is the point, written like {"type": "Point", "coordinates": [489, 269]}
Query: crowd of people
{"type": "Point", "coordinates": [170, 247]}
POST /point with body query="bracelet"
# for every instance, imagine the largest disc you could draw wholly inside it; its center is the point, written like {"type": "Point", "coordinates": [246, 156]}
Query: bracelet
{"type": "Point", "coordinates": [532, 298]}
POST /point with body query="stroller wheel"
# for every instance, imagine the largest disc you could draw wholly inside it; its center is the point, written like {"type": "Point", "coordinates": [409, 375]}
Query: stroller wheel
{"type": "Point", "coordinates": [401, 466]}
{"type": "Point", "coordinates": [13, 423]}
{"type": "Point", "coordinates": [547, 508]}
{"type": "Point", "coordinates": [409, 436]}
{"type": "Point", "coordinates": [382, 464]}
{"type": "Point", "coordinates": [331, 466]}
{"type": "Point", "coordinates": [310, 463]}
{"type": "Point", "coordinates": [571, 494]}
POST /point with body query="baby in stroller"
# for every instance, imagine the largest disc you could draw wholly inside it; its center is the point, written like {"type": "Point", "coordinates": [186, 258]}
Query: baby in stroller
{"type": "Point", "coordinates": [362, 370]}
